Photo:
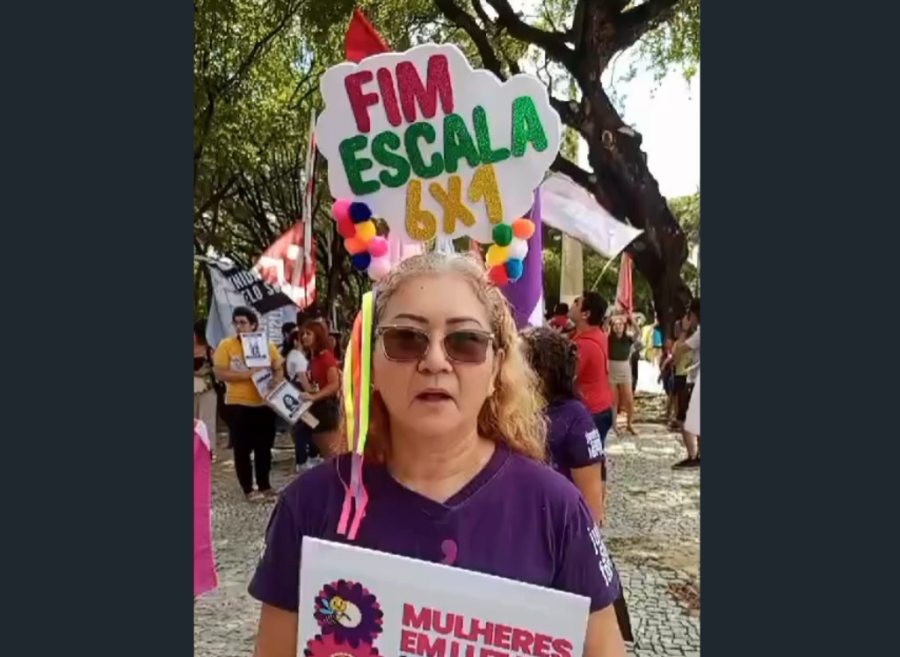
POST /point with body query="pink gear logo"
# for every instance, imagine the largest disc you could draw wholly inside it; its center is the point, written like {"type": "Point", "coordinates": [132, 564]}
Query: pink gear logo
{"type": "Point", "coordinates": [328, 646]}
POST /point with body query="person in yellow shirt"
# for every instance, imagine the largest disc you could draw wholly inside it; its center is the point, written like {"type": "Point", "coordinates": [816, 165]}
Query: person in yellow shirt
{"type": "Point", "coordinates": [252, 422]}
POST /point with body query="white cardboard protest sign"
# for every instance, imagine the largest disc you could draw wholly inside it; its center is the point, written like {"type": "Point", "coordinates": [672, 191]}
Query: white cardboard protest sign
{"type": "Point", "coordinates": [361, 603]}
{"type": "Point", "coordinates": [284, 398]}
{"type": "Point", "coordinates": [433, 146]}
{"type": "Point", "coordinates": [256, 350]}
{"type": "Point", "coordinates": [264, 380]}
{"type": "Point", "coordinates": [287, 402]}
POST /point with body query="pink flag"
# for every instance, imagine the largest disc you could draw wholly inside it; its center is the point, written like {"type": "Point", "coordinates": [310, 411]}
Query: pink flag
{"type": "Point", "coordinates": [205, 576]}
{"type": "Point", "coordinates": [279, 266]}
{"type": "Point", "coordinates": [625, 291]}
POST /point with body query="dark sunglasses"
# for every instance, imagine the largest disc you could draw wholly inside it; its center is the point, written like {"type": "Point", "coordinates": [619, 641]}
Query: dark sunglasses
{"type": "Point", "coordinates": [406, 344]}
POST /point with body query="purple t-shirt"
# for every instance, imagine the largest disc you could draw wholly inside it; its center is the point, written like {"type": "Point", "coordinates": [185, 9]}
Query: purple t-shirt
{"type": "Point", "coordinates": [574, 439]}
{"type": "Point", "coordinates": [516, 519]}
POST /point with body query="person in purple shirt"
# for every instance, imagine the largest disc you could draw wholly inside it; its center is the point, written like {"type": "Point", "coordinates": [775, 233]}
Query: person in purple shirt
{"type": "Point", "coordinates": [576, 446]}
{"type": "Point", "coordinates": [455, 460]}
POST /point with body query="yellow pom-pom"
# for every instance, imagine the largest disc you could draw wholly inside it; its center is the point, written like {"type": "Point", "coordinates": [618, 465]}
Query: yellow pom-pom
{"type": "Point", "coordinates": [365, 231]}
{"type": "Point", "coordinates": [496, 255]}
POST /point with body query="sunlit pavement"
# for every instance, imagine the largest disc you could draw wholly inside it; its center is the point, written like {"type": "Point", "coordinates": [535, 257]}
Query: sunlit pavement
{"type": "Point", "coordinates": [653, 534]}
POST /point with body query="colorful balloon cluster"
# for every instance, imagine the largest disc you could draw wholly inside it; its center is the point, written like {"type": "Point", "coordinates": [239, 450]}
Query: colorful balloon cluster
{"type": "Point", "coordinates": [506, 256]}
{"type": "Point", "coordinates": [368, 250]}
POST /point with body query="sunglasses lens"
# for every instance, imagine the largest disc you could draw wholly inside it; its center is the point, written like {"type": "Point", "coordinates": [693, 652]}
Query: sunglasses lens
{"type": "Point", "coordinates": [466, 346]}
{"type": "Point", "coordinates": [404, 343]}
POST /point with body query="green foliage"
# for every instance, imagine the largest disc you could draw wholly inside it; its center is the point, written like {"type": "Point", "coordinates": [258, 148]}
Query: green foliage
{"type": "Point", "coordinates": [256, 72]}
{"type": "Point", "coordinates": [687, 211]}
{"type": "Point", "coordinates": [675, 44]}
{"type": "Point", "coordinates": [246, 85]}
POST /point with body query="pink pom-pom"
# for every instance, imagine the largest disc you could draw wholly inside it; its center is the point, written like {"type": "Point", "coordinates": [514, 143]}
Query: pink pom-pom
{"type": "Point", "coordinates": [341, 209]}
{"type": "Point", "coordinates": [378, 268]}
{"type": "Point", "coordinates": [378, 247]}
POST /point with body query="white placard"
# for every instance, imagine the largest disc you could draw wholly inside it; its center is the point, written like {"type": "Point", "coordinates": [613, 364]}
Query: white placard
{"type": "Point", "coordinates": [405, 130]}
{"type": "Point", "coordinates": [285, 399]}
{"type": "Point", "coordinates": [264, 380]}
{"type": "Point", "coordinates": [256, 350]}
{"type": "Point", "coordinates": [398, 606]}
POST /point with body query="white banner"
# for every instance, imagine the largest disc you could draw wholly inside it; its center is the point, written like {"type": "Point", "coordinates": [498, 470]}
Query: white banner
{"type": "Point", "coordinates": [570, 208]}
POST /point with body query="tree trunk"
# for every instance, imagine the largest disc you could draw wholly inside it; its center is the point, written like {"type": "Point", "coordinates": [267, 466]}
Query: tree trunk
{"type": "Point", "coordinates": [624, 185]}
{"type": "Point", "coordinates": [621, 179]}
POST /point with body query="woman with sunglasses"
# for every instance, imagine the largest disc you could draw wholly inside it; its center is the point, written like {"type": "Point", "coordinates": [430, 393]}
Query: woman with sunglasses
{"type": "Point", "coordinates": [455, 460]}
{"type": "Point", "coordinates": [326, 379]}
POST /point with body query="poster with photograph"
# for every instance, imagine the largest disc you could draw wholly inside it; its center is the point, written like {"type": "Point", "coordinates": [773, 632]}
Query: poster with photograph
{"type": "Point", "coordinates": [361, 603]}
{"type": "Point", "coordinates": [285, 398]}
{"type": "Point", "coordinates": [256, 350]}
{"type": "Point", "coordinates": [264, 380]}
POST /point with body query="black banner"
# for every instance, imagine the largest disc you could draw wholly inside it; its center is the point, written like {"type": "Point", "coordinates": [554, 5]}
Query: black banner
{"type": "Point", "coordinates": [258, 294]}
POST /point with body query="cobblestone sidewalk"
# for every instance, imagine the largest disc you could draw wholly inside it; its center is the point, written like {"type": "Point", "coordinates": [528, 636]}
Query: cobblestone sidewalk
{"type": "Point", "coordinates": [653, 535]}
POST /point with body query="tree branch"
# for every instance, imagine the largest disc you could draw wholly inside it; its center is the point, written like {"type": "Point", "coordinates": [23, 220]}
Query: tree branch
{"type": "Point", "coordinates": [575, 172]}
{"type": "Point", "coordinates": [259, 47]}
{"type": "Point", "coordinates": [553, 43]}
{"type": "Point", "coordinates": [464, 20]}
{"type": "Point", "coordinates": [631, 25]}
{"type": "Point", "coordinates": [220, 195]}
{"type": "Point", "coordinates": [482, 14]}
{"type": "Point", "coordinates": [570, 114]}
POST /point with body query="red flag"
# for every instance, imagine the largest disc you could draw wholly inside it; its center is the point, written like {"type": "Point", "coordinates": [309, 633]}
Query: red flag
{"type": "Point", "coordinates": [625, 291]}
{"type": "Point", "coordinates": [276, 267]}
{"type": "Point", "coordinates": [363, 39]}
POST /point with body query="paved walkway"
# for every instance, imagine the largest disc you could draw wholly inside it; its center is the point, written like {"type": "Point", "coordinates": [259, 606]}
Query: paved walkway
{"type": "Point", "coordinates": [653, 534]}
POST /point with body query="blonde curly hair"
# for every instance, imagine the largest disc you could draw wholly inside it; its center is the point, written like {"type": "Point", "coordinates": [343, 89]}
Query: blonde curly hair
{"type": "Point", "coordinates": [513, 414]}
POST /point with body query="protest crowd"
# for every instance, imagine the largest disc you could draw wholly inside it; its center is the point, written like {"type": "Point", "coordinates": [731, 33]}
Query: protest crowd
{"type": "Point", "coordinates": [583, 384]}
{"type": "Point", "coordinates": [452, 422]}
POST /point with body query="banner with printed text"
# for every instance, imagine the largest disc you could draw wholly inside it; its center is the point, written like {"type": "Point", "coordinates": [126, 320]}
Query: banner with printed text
{"type": "Point", "coordinates": [362, 603]}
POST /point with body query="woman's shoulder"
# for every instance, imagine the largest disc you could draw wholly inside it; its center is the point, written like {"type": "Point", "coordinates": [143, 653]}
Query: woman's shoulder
{"type": "Point", "coordinates": [315, 488]}
{"type": "Point", "coordinates": [571, 406]}
{"type": "Point", "coordinates": [571, 410]}
{"type": "Point", "coordinates": [542, 482]}
{"type": "Point", "coordinates": [325, 356]}
{"type": "Point", "coordinates": [296, 356]}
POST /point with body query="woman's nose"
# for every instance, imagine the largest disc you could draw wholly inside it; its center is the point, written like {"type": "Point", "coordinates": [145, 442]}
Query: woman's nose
{"type": "Point", "coordinates": [436, 360]}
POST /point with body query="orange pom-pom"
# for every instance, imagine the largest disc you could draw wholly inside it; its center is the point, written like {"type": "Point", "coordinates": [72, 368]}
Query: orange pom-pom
{"type": "Point", "coordinates": [523, 228]}
{"type": "Point", "coordinates": [355, 245]}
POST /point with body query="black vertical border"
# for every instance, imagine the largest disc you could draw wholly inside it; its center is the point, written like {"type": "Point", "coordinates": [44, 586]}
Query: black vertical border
{"type": "Point", "coordinates": [797, 184]}
{"type": "Point", "coordinates": [97, 110]}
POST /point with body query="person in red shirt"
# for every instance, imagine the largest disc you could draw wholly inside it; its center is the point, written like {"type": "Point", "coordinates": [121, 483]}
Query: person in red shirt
{"type": "Point", "coordinates": [588, 313]}
{"type": "Point", "coordinates": [326, 378]}
{"type": "Point", "coordinates": [560, 320]}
